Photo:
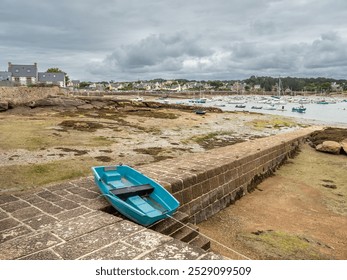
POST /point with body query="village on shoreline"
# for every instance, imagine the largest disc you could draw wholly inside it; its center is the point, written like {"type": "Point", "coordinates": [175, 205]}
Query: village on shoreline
{"type": "Point", "coordinates": [29, 75]}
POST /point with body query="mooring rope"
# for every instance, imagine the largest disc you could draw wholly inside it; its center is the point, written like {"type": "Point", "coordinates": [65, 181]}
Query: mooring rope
{"type": "Point", "coordinates": [213, 240]}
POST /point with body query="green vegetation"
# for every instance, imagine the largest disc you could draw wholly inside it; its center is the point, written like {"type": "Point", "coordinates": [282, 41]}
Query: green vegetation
{"type": "Point", "coordinates": [296, 84]}
{"type": "Point", "coordinates": [281, 245]}
{"type": "Point", "coordinates": [36, 134]}
{"type": "Point", "coordinates": [207, 137]}
{"type": "Point", "coordinates": [22, 177]}
{"type": "Point", "coordinates": [275, 122]}
{"type": "Point", "coordinates": [215, 139]}
{"type": "Point", "coordinates": [320, 169]}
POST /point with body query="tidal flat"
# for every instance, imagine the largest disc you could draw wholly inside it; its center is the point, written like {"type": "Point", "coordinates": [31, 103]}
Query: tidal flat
{"type": "Point", "coordinates": [37, 144]}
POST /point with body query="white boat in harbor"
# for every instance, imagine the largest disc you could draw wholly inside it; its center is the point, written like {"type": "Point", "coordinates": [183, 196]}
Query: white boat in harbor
{"type": "Point", "coordinates": [304, 101]}
{"type": "Point", "coordinates": [198, 100]}
{"type": "Point", "coordinates": [281, 108]}
{"type": "Point", "coordinates": [236, 101]}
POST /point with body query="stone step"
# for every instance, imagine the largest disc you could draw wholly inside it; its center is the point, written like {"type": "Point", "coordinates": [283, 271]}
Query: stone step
{"type": "Point", "coordinates": [186, 234]}
{"type": "Point", "coordinates": [201, 242]}
{"type": "Point", "coordinates": [168, 225]}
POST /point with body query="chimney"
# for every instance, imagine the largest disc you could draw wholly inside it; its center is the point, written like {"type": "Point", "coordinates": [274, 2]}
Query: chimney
{"type": "Point", "coordinates": [9, 65]}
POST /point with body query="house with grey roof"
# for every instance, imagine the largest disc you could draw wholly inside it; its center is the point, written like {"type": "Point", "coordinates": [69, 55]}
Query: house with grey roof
{"type": "Point", "coordinates": [52, 78]}
{"type": "Point", "coordinates": [5, 76]}
{"type": "Point", "coordinates": [23, 74]}
{"type": "Point", "coordinates": [5, 79]}
{"type": "Point", "coordinates": [74, 83]}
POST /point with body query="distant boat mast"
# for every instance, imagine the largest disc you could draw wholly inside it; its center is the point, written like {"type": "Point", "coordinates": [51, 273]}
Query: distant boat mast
{"type": "Point", "coordinates": [279, 86]}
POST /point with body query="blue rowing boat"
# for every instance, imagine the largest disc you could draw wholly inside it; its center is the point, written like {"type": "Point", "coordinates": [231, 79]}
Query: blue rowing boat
{"type": "Point", "coordinates": [133, 194]}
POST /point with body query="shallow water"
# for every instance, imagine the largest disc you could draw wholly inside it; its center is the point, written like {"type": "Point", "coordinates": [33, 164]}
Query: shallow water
{"type": "Point", "coordinates": [329, 114]}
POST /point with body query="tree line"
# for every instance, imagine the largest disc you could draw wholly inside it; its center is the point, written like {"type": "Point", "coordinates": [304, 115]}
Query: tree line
{"type": "Point", "coordinates": [319, 84]}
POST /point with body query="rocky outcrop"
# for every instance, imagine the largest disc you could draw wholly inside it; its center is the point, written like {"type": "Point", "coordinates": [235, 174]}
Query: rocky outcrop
{"type": "Point", "coordinates": [344, 145]}
{"type": "Point", "coordinates": [329, 134]}
{"type": "Point", "coordinates": [329, 147]}
{"type": "Point", "coordinates": [22, 95]}
{"type": "Point", "coordinates": [51, 97]}
{"type": "Point", "coordinates": [56, 102]}
{"type": "Point", "coordinates": [3, 106]}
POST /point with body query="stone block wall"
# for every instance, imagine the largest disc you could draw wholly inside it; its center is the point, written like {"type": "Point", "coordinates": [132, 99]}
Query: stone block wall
{"type": "Point", "coordinates": [205, 183]}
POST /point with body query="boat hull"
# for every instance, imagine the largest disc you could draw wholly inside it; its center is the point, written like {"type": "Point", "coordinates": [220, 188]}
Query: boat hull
{"type": "Point", "coordinates": [299, 110]}
{"type": "Point", "coordinates": [144, 209]}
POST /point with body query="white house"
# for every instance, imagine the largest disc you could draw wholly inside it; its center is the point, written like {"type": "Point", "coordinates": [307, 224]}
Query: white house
{"type": "Point", "coordinates": [23, 74]}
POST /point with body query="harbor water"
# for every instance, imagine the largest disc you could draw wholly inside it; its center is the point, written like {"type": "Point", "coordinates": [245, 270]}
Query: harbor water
{"type": "Point", "coordinates": [329, 113]}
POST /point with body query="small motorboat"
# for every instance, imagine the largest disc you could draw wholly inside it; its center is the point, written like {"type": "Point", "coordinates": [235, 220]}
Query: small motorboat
{"type": "Point", "coordinates": [257, 107]}
{"type": "Point", "coordinates": [240, 106]}
{"type": "Point", "coordinates": [133, 194]}
{"type": "Point", "coordinates": [300, 109]}
{"type": "Point", "coordinates": [322, 102]}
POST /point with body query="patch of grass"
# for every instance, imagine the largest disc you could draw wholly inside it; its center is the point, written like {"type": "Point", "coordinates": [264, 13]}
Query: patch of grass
{"type": "Point", "coordinates": [24, 177]}
{"type": "Point", "coordinates": [36, 134]}
{"type": "Point", "coordinates": [216, 139]}
{"type": "Point", "coordinates": [23, 134]}
{"type": "Point", "coordinates": [283, 245]}
{"type": "Point", "coordinates": [318, 168]}
{"type": "Point", "coordinates": [275, 122]}
{"type": "Point", "coordinates": [81, 125]}
{"type": "Point", "coordinates": [205, 137]}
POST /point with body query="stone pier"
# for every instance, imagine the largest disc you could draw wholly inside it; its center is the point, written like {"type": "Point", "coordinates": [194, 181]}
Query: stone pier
{"type": "Point", "coordinates": [69, 221]}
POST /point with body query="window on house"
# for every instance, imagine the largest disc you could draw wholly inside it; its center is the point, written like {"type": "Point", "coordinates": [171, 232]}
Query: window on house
{"type": "Point", "coordinates": [28, 70]}
{"type": "Point", "coordinates": [17, 70]}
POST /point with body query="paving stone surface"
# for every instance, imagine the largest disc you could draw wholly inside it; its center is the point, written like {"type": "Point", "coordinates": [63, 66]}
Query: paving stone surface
{"type": "Point", "coordinates": [174, 250]}
{"type": "Point", "coordinates": [47, 254]}
{"type": "Point", "coordinates": [14, 232]}
{"type": "Point", "coordinates": [115, 251]}
{"type": "Point", "coordinates": [27, 244]}
{"type": "Point", "coordinates": [3, 215]}
{"type": "Point", "coordinates": [66, 221]}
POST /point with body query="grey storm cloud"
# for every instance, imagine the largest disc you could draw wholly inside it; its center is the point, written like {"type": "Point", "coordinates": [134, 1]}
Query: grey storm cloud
{"type": "Point", "coordinates": [157, 49]}
{"type": "Point", "coordinates": [134, 39]}
{"type": "Point", "coordinates": [328, 51]}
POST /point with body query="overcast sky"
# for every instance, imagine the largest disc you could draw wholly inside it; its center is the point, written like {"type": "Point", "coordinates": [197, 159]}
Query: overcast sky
{"type": "Point", "coordinates": [193, 39]}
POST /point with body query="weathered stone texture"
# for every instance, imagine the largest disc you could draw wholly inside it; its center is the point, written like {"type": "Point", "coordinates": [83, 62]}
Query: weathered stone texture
{"type": "Point", "coordinates": [25, 245]}
{"type": "Point", "coordinates": [217, 178]}
{"type": "Point", "coordinates": [174, 250]}
{"type": "Point", "coordinates": [329, 147]}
